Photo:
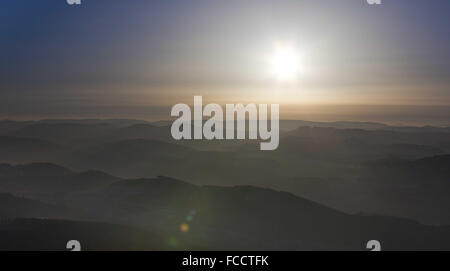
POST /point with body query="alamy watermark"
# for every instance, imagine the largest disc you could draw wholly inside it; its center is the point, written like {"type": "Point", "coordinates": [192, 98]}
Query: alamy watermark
{"type": "Point", "coordinates": [374, 245]}
{"type": "Point", "coordinates": [213, 128]}
{"type": "Point", "coordinates": [73, 245]}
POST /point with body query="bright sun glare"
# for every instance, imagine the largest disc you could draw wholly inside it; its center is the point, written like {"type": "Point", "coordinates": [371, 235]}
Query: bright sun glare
{"type": "Point", "coordinates": [285, 63]}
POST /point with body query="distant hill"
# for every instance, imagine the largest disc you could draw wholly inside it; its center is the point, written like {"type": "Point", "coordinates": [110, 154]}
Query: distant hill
{"type": "Point", "coordinates": [11, 125]}
{"type": "Point", "coordinates": [26, 150]}
{"type": "Point", "coordinates": [288, 125]}
{"type": "Point", "coordinates": [423, 171]}
{"type": "Point", "coordinates": [374, 137]}
{"type": "Point", "coordinates": [138, 157]}
{"type": "Point", "coordinates": [142, 131]}
{"type": "Point", "coordinates": [48, 181]}
{"type": "Point", "coordinates": [116, 122]}
{"type": "Point", "coordinates": [64, 133]}
{"type": "Point", "coordinates": [364, 145]}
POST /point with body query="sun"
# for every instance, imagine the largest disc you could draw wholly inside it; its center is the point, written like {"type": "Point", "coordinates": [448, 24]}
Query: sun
{"type": "Point", "coordinates": [285, 63]}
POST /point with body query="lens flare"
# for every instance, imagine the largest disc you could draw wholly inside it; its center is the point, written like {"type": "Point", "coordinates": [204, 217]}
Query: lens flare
{"type": "Point", "coordinates": [184, 227]}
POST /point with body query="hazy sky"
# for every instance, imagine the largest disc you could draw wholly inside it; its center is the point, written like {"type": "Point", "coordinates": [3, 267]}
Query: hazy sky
{"type": "Point", "coordinates": [104, 55]}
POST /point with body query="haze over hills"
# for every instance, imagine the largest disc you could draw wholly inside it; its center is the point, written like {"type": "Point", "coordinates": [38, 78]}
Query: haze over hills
{"type": "Point", "coordinates": [347, 174]}
{"type": "Point", "coordinates": [238, 218]}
